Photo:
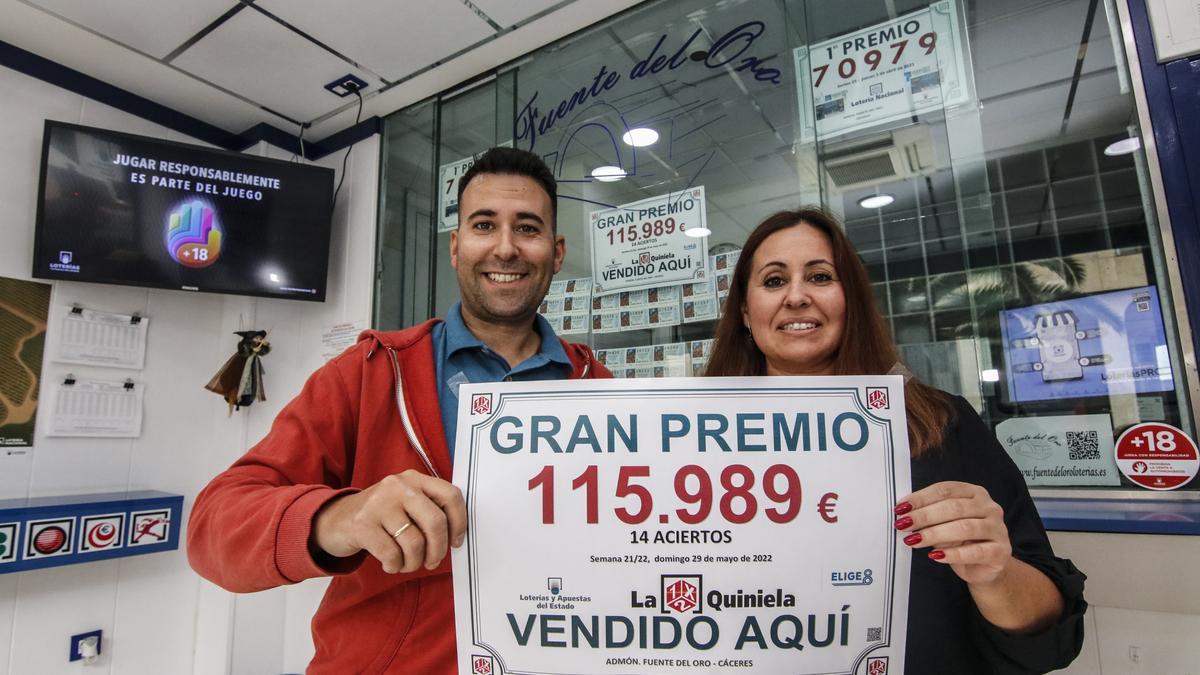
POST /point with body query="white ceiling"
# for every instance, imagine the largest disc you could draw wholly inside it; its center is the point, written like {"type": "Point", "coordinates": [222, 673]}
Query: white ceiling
{"type": "Point", "coordinates": [234, 64]}
{"type": "Point", "coordinates": [389, 38]}
{"type": "Point", "coordinates": [159, 27]}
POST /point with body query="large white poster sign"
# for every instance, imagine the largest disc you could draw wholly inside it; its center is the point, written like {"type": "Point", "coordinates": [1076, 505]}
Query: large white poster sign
{"type": "Point", "coordinates": [723, 525]}
{"type": "Point", "coordinates": [645, 244]}
{"type": "Point", "coordinates": [887, 72]}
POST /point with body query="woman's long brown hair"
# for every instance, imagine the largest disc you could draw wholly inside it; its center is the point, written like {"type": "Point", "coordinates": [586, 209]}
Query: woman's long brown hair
{"type": "Point", "coordinates": [866, 349]}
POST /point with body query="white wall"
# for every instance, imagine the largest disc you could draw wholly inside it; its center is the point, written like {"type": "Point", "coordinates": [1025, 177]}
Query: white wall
{"type": "Point", "coordinates": [1145, 602]}
{"type": "Point", "coordinates": [156, 614]}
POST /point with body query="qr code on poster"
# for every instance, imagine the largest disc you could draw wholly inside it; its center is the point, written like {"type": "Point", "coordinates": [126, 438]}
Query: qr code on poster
{"type": "Point", "coordinates": [874, 634]}
{"type": "Point", "coordinates": [1083, 445]}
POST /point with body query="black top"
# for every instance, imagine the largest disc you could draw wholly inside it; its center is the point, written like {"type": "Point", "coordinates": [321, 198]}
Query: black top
{"type": "Point", "coordinates": [946, 633]}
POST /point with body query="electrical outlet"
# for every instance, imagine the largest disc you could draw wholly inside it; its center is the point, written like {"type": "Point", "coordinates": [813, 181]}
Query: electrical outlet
{"type": "Point", "coordinates": [78, 640]}
{"type": "Point", "coordinates": [346, 85]}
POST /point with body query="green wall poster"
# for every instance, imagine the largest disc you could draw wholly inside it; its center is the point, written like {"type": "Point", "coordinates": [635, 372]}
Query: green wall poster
{"type": "Point", "coordinates": [24, 306]}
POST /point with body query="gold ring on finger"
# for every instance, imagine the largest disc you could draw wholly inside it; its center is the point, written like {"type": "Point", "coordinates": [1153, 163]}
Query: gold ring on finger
{"type": "Point", "coordinates": [400, 530]}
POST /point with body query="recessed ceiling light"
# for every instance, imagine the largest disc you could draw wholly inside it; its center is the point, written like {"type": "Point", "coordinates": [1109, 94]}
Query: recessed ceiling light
{"type": "Point", "coordinates": [640, 137]}
{"type": "Point", "coordinates": [876, 201]}
{"type": "Point", "coordinates": [608, 174]}
{"type": "Point", "coordinates": [698, 232]}
{"type": "Point", "coordinates": [1124, 146]}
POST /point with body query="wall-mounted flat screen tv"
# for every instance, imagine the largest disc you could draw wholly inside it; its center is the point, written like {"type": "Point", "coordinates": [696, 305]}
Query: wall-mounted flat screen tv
{"type": "Point", "coordinates": [116, 208]}
{"type": "Point", "coordinates": [1096, 345]}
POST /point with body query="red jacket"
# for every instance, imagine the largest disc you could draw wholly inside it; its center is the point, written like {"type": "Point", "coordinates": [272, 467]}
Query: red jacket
{"type": "Point", "coordinates": [346, 430]}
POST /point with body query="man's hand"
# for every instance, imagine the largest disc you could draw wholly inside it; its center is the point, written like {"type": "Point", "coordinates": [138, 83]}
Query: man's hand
{"type": "Point", "coordinates": [427, 512]}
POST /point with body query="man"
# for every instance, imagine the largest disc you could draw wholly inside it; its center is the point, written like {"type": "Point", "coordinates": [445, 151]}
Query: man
{"type": "Point", "coordinates": [351, 481]}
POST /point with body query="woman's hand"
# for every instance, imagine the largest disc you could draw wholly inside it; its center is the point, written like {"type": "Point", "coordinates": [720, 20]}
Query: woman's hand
{"type": "Point", "coordinates": [966, 530]}
{"type": "Point", "coordinates": [962, 525]}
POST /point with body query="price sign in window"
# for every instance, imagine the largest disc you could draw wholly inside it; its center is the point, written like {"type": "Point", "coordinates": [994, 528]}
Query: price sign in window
{"type": "Point", "coordinates": [890, 71]}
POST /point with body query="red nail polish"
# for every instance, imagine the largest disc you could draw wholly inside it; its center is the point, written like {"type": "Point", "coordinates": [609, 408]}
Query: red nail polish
{"type": "Point", "coordinates": [903, 508]}
{"type": "Point", "coordinates": [913, 539]}
{"type": "Point", "coordinates": [937, 555]}
{"type": "Point", "coordinates": [904, 522]}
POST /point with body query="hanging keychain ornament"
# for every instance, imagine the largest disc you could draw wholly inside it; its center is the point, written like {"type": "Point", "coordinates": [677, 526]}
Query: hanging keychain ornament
{"type": "Point", "coordinates": [240, 380]}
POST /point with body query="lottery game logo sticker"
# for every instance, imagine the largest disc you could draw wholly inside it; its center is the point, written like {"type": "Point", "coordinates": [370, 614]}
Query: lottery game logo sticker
{"type": "Point", "coordinates": [193, 234]}
{"type": "Point", "coordinates": [481, 404]}
{"type": "Point", "coordinates": [101, 533]}
{"type": "Point", "coordinates": [48, 538]}
{"type": "Point", "coordinates": [877, 398]}
{"type": "Point", "coordinates": [1157, 456]}
{"type": "Point", "coordinates": [682, 593]}
{"type": "Point", "coordinates": [149, 527]}
{"type": "Point", "coordinates": [481, 665]}
{"type": "Point", "coordinates": [8, 542]}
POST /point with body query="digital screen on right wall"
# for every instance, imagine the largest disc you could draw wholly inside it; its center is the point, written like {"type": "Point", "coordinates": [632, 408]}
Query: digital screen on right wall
{"type": "Point", "coordinates": [1096, 345]}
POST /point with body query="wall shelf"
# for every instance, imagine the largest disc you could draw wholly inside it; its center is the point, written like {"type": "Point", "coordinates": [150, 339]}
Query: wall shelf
{"type": "Point", "coordinates": [44, 532]}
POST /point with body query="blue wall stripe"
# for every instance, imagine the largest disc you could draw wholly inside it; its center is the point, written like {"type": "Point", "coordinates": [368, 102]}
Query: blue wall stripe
{"type": "Point", "coordinates": [1177, 137]}
{"type": "Point", "coordinates": [344, 138]}
{"type": "Point", "coordinates": [44, 69]}
{"type": "Point", "coordinates": [274, 135]}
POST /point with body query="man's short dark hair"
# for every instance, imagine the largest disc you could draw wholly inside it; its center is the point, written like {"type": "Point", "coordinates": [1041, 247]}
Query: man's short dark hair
{"type": "Point", "coordinates": [515, 162]}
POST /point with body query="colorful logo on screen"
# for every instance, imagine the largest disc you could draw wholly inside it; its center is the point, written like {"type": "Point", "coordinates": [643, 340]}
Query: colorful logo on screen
{"type": "Point", "coordinates": [193, 234]}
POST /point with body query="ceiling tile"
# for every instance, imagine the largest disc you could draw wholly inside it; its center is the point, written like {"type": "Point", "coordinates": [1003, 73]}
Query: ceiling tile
{"type": "Point", "coordinates": [156, 28]}
{"type": "Point", "coordinates": [262, 60]}
{"type": "Point", "coordinates": [509, 12]}
{"type": "Point", "coordinates": [393, 39]}
{"type": "Point", "coordinates": [32, 29]}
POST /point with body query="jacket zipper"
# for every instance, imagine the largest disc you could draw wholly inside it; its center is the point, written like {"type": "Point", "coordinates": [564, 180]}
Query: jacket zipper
{"type": "Point", "coordinates": [408, 427]}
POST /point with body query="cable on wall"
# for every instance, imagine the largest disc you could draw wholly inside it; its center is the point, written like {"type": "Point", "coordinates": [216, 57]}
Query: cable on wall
{"type": "Point", "coordinates": [342, 179]}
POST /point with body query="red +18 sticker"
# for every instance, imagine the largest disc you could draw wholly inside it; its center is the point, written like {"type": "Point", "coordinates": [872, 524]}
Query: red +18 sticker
{"type": "Point", "coordinates": [1157, 456]}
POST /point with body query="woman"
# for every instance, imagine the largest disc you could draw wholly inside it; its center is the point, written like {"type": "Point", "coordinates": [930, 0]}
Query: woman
{"type": "Point", "coordinates": [987, 593]}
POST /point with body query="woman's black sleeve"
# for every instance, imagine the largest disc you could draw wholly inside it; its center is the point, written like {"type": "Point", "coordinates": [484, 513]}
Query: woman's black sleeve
{"type": "Point", "coordinates": [1057, 645]}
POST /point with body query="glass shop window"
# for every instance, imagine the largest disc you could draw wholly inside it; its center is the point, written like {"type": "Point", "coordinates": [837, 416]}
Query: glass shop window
{"type": "Point", "coordinates": [984, 156]}
{"type": "Point", "coordinates": [996, 187]}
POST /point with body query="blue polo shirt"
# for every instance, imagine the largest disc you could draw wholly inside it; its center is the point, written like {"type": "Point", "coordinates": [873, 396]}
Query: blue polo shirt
{"type": "Point", "coordinates": [462, 358]}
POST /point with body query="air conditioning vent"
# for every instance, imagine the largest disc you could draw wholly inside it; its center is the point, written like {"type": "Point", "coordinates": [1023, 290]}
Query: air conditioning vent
{"type": "Point", "coordinates": [899, 154]}
{"type": "Point", "coordinates": [863, 169]}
